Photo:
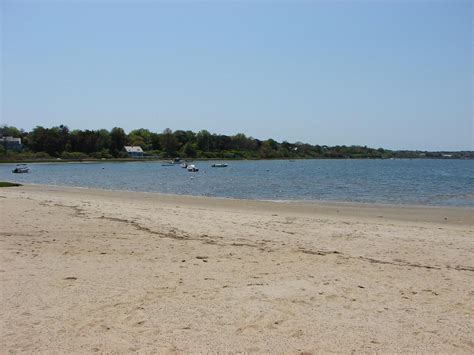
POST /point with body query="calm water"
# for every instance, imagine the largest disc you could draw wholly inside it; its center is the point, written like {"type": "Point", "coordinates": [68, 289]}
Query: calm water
{"type": "Point", "coordinates": [422, 182]}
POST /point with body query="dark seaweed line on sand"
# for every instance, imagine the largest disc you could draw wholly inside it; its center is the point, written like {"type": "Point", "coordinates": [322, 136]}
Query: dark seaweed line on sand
{"type": "Point", "coordinates": [378, 261]}
{"type": "Point", "coordinates": [209, 240]}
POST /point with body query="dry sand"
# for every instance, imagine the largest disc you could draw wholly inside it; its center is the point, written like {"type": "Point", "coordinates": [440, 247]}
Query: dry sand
{"type": "Point", "coordinates": [88, 270]}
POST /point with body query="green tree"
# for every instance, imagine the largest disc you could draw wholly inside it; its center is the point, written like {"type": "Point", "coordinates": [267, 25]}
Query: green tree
{"type": "Point", "coordinates": [272, 143]}
{"type": "Point", "coordinates": [267, 151]}
{"type": "Point", "coordinates": [104, 140]}
{"type": "Point", "coordinates": [241, 142]}
{"type": "Point", "coordinates": [189, 150]}
{"type": "Point", "coordinates": [203, 139]}
{"type": "Point", "coordinates": [155, 139]}
{"type": "Point", "coordinates": [141, 137]}
{"type": "Point", "coordinates": [118, 139]}
{"type": "Point", "coordinates": [181, 138]}
{"type": "Point", "coordinates": [9, 131]}
{"type": "Point", "coordinates": [50, 140]}
{"type": "Point", "coordinates": [168, 142]}
{"type": "Point", "coordinates": [84, 141]}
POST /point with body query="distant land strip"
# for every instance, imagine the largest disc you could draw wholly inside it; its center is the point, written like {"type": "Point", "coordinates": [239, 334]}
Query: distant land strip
{"type": "Point", "coordinates": [62, 143]}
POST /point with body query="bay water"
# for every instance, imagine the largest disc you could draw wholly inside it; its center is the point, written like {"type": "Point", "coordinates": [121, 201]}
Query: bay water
{"type": "Point", "coordinates": [414, 182]}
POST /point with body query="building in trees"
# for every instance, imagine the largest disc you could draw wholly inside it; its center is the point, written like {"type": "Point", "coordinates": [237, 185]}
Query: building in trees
{"type": "Point", "coordinates": [134, 151]}
{"type": "Point", "coordinates": [11, 143]}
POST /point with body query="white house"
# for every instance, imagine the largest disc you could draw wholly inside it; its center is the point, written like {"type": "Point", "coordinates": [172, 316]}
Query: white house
{"type": "Point", "coordinates": [11, 143]}
{"type": "Point", "coordinates": [134, 151]}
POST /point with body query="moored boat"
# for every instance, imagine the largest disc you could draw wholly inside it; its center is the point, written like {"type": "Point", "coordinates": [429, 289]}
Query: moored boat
{"type": "Point", "coordinates": [21, 169]}
{"type": "Point", "coordinates": [192, 168]}
{"type": "Point", "coordinates": [220, 165]}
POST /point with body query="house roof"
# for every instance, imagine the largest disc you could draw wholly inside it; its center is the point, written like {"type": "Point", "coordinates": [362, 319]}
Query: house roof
{"type": "Point", "coordinates": [133, 149]}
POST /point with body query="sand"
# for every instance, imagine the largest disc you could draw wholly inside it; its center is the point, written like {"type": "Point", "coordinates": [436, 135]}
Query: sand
{"type": "Point", "coordinates": [102, 271]}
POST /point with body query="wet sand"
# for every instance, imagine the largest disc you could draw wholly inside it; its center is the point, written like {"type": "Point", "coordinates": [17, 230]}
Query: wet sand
{"type": "Point", "coordinates": [105, 271]}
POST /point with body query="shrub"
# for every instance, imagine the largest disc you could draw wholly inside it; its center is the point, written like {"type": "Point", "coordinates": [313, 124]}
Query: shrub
{"type": "Point", "coordinates": [74, 156]}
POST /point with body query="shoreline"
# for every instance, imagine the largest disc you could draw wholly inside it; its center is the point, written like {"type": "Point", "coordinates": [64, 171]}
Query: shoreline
{"type": "Point", "coordinates": [161, 160]}
{"type": "Point", "coordinates": [404, 212]}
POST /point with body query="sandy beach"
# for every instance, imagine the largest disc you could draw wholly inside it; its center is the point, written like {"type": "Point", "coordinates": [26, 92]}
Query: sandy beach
{"type": "Point", "coordinates": [104, 271]}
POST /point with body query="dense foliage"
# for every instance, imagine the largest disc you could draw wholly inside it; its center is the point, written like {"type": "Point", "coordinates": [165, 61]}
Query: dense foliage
{"type": "Point", "coordinates": [61, 142]}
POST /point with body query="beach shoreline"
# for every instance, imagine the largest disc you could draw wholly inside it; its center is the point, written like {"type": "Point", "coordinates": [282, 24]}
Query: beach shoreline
{"type": "Point", "coordinates": [118, 271]}
{"type": "Point", "coordinates": [403, 212]}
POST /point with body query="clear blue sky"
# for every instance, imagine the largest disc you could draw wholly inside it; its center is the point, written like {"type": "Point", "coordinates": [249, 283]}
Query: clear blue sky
{"type": "Point", "coordinates": [393, 74]}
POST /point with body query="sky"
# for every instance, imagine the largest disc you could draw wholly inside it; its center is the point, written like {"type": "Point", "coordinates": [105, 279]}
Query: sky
{"type": "Point", "coordinates": [392, 74]}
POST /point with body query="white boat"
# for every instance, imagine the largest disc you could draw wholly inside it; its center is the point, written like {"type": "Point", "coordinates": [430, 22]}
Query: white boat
{"type": "Point", "coordinates": [21, 169]}
{"type": "Point", "coordinates": [192, 168]}
{"type": "Point", "coordinates": [184, 164]}
{"type": "Point", "coordinates": [220, 165]}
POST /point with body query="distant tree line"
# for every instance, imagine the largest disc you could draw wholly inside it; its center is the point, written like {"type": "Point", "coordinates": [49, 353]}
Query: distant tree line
{"type": "Point", "coordinates": [61, 142]}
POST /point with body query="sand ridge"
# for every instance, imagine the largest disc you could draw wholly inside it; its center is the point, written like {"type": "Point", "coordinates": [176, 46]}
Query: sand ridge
{"type": "Point", "coordinates": [90, 270]}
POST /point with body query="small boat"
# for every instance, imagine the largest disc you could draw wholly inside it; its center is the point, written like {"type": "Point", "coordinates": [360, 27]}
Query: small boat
{"type": "Point", "coordinates": [184, 164]}
{"type": "Point", "coordinates": [170, 163]}
{"type": "Point", "coordinates": [21, 169]}
{"type": "Point", "coordinates": [192, 168]}
{"type": "Point", "coordinates": [220, 165]}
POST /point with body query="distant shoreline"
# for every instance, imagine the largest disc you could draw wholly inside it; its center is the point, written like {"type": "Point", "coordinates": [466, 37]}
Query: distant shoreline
{"type": "Point", "coordinates": [127, 160]}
